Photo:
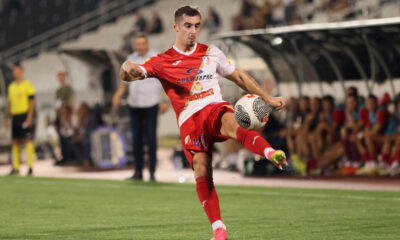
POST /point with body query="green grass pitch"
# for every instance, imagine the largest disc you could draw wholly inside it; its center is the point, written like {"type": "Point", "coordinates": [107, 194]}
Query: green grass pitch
{"type": "Point", "coordinates": [48, 208]}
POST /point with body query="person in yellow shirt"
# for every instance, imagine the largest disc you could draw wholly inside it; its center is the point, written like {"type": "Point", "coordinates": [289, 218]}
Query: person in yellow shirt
{"type": "Point", "coordinates": [21, 107]}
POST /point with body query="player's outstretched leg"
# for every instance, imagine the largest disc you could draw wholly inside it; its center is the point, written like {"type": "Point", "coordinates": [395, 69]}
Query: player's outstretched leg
{"type": "Point", "coordinates": [207, 195]}
{"type": "Point", "coordinates": [252, 140]}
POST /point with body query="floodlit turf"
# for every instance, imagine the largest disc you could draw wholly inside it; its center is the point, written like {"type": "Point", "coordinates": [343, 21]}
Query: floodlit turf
{"type": "Point", "coordinates": [47, 208]}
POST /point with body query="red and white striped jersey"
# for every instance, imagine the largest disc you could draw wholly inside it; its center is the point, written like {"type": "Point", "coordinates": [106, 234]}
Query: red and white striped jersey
{"type": "Point", "coordinates": [190, 78]}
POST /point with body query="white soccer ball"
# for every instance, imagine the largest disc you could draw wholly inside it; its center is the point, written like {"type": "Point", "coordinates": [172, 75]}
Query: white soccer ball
{"type": "Point", "coordinates": [251, 111]}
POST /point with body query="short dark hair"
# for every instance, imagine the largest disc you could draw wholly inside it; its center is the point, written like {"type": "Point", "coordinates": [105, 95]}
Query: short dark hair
{"type": "Point", "coordinates": [328, 98]}
{"type": "Point", "coordinates": [187, 10]}
{"type": "Point", "coordinates": [352, 89]}
{"type": "Point", "coordinates": [18, 65]}
{"type": "Point", "coordinates": [140, 35]}
{"type": "Point", "coordinates": [352, 95]}
{"type": "Point", "coordinates": [372, 96]}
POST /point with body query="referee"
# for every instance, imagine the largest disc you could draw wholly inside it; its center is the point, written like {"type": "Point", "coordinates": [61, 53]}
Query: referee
{"type": "Point", "coordinates": [21, 105]}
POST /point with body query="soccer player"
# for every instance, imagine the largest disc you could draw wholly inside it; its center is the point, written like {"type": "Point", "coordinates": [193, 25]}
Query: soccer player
{"type": "Point", "coordinates": [21, 105]}
{"type": "Point", "coordinates": [188, 73]}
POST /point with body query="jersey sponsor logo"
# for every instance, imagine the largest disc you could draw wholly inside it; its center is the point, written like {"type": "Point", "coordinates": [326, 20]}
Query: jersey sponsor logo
{"type": "Point", "coordinates": [197, 87]}
{"type": "Point", "coordinates": [176, 63]}
{"type": "Point", "coordinates": [200, 95]}
{"type": "Point", "coordinates": [194, 71]}
{"type": "Point", "coordinates": [194, 78]}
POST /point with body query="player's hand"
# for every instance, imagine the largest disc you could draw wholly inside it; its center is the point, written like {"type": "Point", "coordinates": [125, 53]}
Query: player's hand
{"type": "Point", "coordinates": [115, 101]}
{"type": "Point", "coordinates": [7, 123]}
{"type": "Point", "coordinates": [27, 123]}
{"type": "Point", "coordinates": [133, 72]}
{"type": "Point", "coordinates": [163, 107]}
{"type": "Point", "coordinates": [277, 102]}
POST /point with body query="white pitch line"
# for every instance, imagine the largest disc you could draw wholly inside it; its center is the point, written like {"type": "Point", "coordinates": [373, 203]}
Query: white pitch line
{"type": "Point", "coordinates": [305, 195]}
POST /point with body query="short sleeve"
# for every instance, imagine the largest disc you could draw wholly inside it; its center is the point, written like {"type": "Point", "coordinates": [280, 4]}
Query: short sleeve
{"type": "Point", "coordinates": [338, 116]}
{"type": "Point", "coordinates": [151, 67]}
{"type": "Point", "coordinates": [365, 117]}
{"type": "Point", "coordinates": [383, 117]}
{"type": "Point", "coordinates": [9, 93]}
{"type": "Point", "coordinates": [71, 91]}
{"type": "Point", "coordinates": [30, 90]}
{"type": "Point", "coordinates": [224, 66]}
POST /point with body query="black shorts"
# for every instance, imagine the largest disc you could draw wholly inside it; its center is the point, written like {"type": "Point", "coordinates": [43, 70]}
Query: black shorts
{"type": "Point", "coordinates": [18, 130]}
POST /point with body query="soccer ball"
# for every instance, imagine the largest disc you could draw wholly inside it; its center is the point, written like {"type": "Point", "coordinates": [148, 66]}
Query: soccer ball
{"type": "Point", "coordinates": [251, 111]}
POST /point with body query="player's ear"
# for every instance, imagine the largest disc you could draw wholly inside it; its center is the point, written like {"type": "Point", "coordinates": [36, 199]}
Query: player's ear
{"type": "Point", "coordinates": [176, 27]}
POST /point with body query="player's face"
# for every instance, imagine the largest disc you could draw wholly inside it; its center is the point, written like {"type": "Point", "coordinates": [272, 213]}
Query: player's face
{"type": "Point", "coordinates": [18, 73]}
{"type": "Point", "coordinates": [141, 45]}
{"type": "Point", "coordinates": [315, 104]}
{"type": "Point", "coordinates": [304, 105]}
{"type": "Point", "coordinates": [327, 105]}
{"type": "Point", "coordinates": [61, 78]}
{"type": "Point", "coordinates": [187, 29]}
{"type": "Point", "coordinates": [351, 103]}
{"type": "Point", "coordinates": [371, 104]}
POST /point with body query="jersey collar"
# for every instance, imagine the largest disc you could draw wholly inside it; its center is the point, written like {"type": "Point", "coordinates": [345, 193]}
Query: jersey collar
{"type": "Point", "coordinates": [185, 53]}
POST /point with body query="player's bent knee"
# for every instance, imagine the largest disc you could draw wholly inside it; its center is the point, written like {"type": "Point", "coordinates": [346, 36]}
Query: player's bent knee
{"type": "Point", "coordinates": [229, 125]}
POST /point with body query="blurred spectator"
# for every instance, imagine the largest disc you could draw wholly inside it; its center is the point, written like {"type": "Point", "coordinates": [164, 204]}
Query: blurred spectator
{"type": "Point", "coordinates": [127, 44]}
{"type": "Point", "coordinates": [212, 21]}
{"type": "Point", "coordinates": [140, 24]}
{"type": "Point", "coordinates": [291, 14]}
{"type": "Point", "coordinates": [81, 138]}
{"type": "Point", "coordinates": [66, 131]}
{"type": "Point", "coordinates": [349, 135]}
{"type": "Point", "coordinates": [326, 134]}
{"type": "Point", "coordinates": [244, 20]}
{"type": "Point", "coordinates": [144, 104]}
{"type": "Point", "coordinates": [389, 137]}
{"type": "Point", "coordinates": [289, 116]}
{"type": "Point", "coordinates": [375, 122]}
{"type": "Point", "coordinates": [266, 13]}
{"type": "Point", "coordinates": [292, 136]}
{"type": "Point", "coordinates": [278, 15]}
{"type": "Point", "coordinates": [155, 25]}
{"type": "Point", "coordinates": [64, 98]}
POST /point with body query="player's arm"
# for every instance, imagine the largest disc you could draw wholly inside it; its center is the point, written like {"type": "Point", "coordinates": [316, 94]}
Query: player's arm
{"type": "Point", "coordinates": [247, 83]}
{"type": "Point", "coordinates": [71, 98]}
{"type": "Point", "coordinates": [131, 71]}
{"type": "Point", "coordinates": [8, 114]}
{"type": "Point", "coordinates": [118, 94]}
{"type": "Point", "coordinates": [383, 117]}
{"type": "Point", "coordinates": [31, 110]}
{"type": "Point", "coordinates": [164, 105]}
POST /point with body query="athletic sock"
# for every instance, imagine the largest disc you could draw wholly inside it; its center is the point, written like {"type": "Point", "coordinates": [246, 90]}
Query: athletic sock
{"type": "Point", "coordinates": [252, 140]}
{"type": "Point", "coordinates": [30, 152]}
{"type": "Point", "coordinates": [218, 224]}
{"type": "Point", "coordinates": [16, 156]}
{"type": "Point", "coordinates": [208, 198]}
{"type": "Point", "coordinates": [347, 150]}
{"type": "Point", "coordinates": [372, 157]}
{"type": "Point", "coordinates": [365, 157]}
{"type": "Point", "coordinates": [385, 158]}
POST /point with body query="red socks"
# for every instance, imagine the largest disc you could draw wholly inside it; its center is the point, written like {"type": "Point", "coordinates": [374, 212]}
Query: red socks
{"type": "Point", "coordinates": [365, 157]}
{"type": "Point", "coordinates": [252, 140]}
{"type": "Point", "coordinates": [386, 158]}
{"type": "Point", "coordinates": [208, 198]}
